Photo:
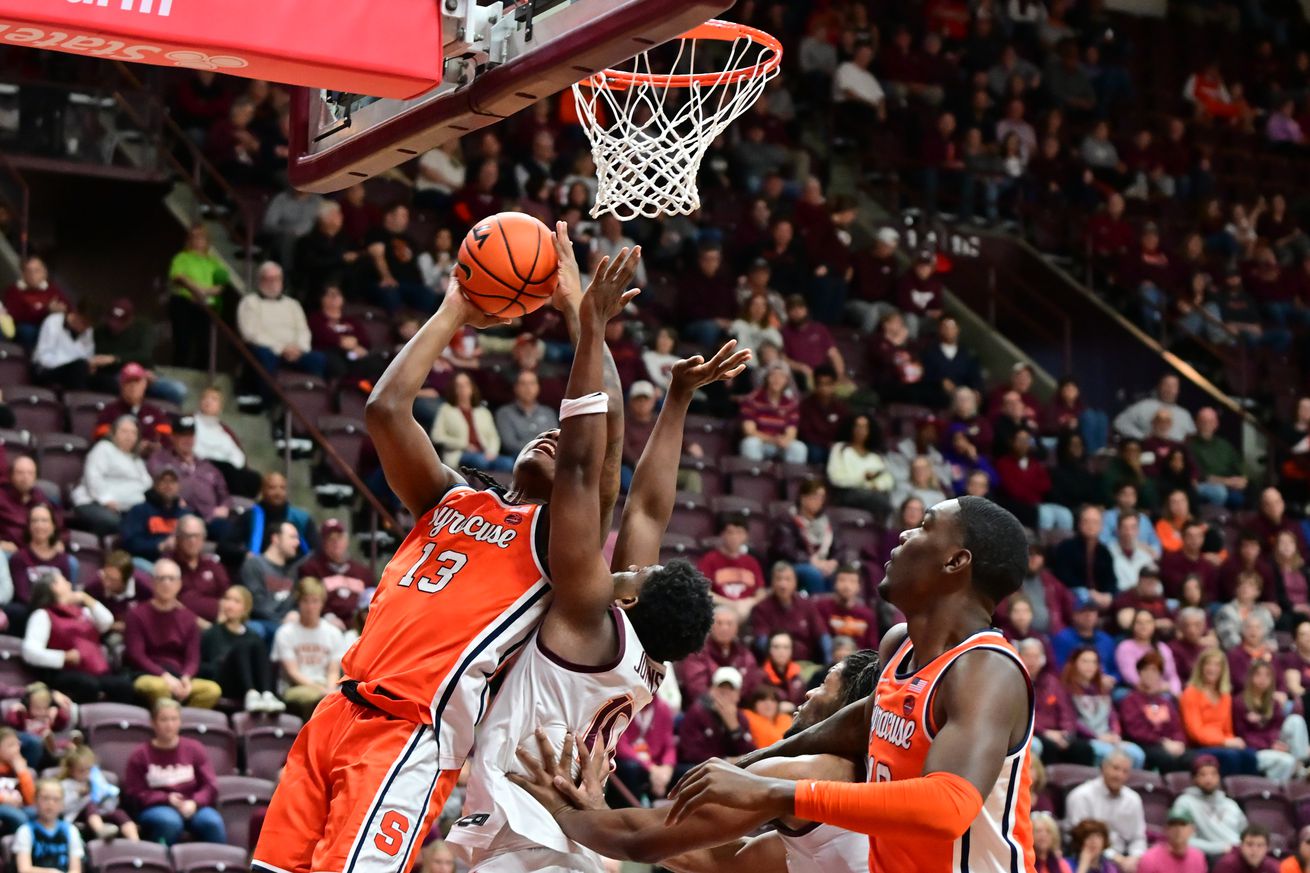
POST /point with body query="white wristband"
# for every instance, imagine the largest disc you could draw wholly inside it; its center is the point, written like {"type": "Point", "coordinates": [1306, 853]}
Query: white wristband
{"type": "Point", "coordinates": [589, 404]}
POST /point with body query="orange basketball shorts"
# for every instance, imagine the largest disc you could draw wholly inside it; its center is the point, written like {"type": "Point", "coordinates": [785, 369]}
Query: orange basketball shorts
{"type": "Point", "coordinates": [359, 792]}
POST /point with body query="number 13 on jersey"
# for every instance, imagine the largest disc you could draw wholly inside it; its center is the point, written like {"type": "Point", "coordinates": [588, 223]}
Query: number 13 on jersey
{"type": "Point", "coordinates": [442, 571]}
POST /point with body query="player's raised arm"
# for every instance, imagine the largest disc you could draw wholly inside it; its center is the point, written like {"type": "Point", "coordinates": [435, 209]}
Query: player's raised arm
{"type": "Point", "coordinates": [568, 300]}
{"type": "Point", "coordinates": [655, 481]}
{"type": "Point", "coordinates": [409, 460]}
{"type": "Point", "coordinates": [582, 583]}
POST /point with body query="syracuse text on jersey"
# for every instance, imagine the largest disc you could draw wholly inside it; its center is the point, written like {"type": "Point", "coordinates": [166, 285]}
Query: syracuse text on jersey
{"type": "Point", "coordinates": [475, 527]}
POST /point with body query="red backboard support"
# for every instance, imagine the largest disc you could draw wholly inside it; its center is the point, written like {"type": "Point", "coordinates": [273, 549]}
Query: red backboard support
{"type": "Point", "coordinates": [565, 45]}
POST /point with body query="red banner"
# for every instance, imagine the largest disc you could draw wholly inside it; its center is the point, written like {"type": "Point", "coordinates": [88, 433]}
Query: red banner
{"type": "Point", "coordinates": [380, 48]}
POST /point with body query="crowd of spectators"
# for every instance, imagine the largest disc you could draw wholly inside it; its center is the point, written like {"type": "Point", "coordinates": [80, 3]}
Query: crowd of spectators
{"type": "Point", "coordinates": [1166, 614]}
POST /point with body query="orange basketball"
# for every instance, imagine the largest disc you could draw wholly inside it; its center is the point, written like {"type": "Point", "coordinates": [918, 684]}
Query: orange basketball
{"type": "Point", "coordinates": [507, 264]}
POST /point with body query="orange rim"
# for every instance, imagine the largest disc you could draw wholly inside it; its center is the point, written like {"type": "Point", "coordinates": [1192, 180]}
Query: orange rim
{"type": "Point", "coordinates": [725, 31]}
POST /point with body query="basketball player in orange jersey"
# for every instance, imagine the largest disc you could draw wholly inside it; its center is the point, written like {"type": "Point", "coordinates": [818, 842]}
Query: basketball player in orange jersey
{"type": "Point", "coordinates": [373, 767]}
{"type": "Point", "coordinates": [947, 730]}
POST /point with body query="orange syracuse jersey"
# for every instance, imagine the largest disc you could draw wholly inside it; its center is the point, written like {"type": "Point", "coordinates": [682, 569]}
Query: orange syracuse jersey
{"type": "Point", "coordinates": [454, 605]}
{"type": "Point", "coordinates": [900, 735]}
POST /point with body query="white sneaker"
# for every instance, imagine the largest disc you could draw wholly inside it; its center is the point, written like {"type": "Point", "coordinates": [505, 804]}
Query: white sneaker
{"type": "Point", "coordinates": [272, 703]}
{"type": "Point", "coordinates": [254, 701]}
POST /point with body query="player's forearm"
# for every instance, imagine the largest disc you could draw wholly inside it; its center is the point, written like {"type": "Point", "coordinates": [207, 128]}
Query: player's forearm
{"type": "Point", "coordinates": [641, 836]}
{"type": "Point", "coordinates": [582, 436]}
{"type": "Point", "coordinates": [654, 483]}
{"type": "Point", "coordinates": [400, 383]}
{"type": "Point", "coordinates": [613, 388]}
{"type": "Point", "coordinates": [845, 734]}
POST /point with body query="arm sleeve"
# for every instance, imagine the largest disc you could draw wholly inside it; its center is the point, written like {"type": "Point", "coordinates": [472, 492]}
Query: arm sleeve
{"type": "Point", "coordinates": [100, 616]}
{"type": "Point", "coordinates": [936, 806]}
{"type": "Point", "coordinates": [1137, 839]}
{"type": "Point", "coordinates": [35, 643]}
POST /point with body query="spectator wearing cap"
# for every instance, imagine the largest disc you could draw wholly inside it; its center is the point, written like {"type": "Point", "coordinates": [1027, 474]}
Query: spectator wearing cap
{"type": "Point", "coordinates": [521, 421]}
{"type": "Point", "coordinates": [129, 340]}
{"type": "Point", "coordinates": [1175, 854]}
{"type": "Point", "coordinates": [736, 577]}
{"type": "Point", "coordinates": [823, 414]}
{"type": "Point", "coordinates": [344, 579]}
{"type": "Point", "coordinates": [1150, 718]}
{"type": "Point", "coordinates": [162, 640]}
{"type": "Point", "coordinates": [216, 443]}
{"type": "Point", "coordinates": [196, 280]}
{"type": "Point", "coordinates": [147, 529]}
{"type": "Point", "coordinates": [274, 326]}
{"type": "Point", "coordinates": [1108, 799]}
{"type": "Point", "coordinates": [920, 293]}
{"type": "Point", "coordinates": [873, 289]}
{"type": "Point", "coordinates": [1085, 632]}
{"type": "Point", "coordinates": [1251, 855]}
{"type": "Point", "coordinates": [771, 419]}
{"type": "Point", "coordinates": [18, 494]}
{"type": "Point", "coordinates": [1222, 480]}
{"type": "Point", "coordinates": [114, 478]}
{"type": "Point", "coordinates": [204, 491]}
{"type": "Point", "coordinates": [65, 354]}
{"type": "Point", "coordinates": [713, 726]}
{"type": "Point", "coordinates": [786, 609]}
{"type": "Point", "coordinates": [1135, 421]}
{"type": "Point", "coordinates": [33, 297]}
{"type": "Point", "coordinates": [1083, 563]}
{"type": "Point", "coordinates": [338, 337]}
{"type": "Point", "coordinates": [204, 578]}
{"type": "Point", "coordinates": [807, 344]}
{"type": "Point", "coordinates": [723, 648]}
{"type": "Point", "coordinates": [256, 526]}
{"type": "Point", "coordinates": [154, 423]}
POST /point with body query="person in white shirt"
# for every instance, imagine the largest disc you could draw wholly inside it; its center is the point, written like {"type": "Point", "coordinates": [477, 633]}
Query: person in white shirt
{"type": "Point", "coordinates": [858, 473]}
{"type": "Point", "coordinates": [1131, 556]}
{"type": "Point", "coordinates": [1135, 421]}
{"type": "Point", "coordinates": [114, 478]}
{"type": "Point", "coordinates": [441, 172]}
{"type": "Point", "coordinates": [289, 216]}
{"type": "Point", "coordinates": [857, 88]}
{"type": "Point", "coordinates": [309, 650]}
{"type": "Point", "coordinates": [275, 327]}
{"type": "Point", "coordinates": [65, 353]}
{"type": "Point", "coordinates": [1108, 799]}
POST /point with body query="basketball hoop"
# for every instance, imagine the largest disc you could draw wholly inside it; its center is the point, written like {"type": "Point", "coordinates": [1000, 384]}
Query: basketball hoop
{"type": "Point", "coordinates": [649, 130]}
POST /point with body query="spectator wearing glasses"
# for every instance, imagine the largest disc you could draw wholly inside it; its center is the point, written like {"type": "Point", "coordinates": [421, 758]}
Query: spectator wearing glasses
{"type": "Point", "coordinates": [275, 327]}
{"type": "Point", "coordinates": [163, 645]}
{"type": "Point", "coordinates": [204, 578]}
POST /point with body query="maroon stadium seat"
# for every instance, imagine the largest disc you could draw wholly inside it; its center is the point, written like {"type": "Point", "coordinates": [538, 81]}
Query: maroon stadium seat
{"type": "Point", "coordinates": [679, 546]}
{"type": "Point", "coordinates": [346, 435]}
{"type": "Point", "coordinates": [238, 798]}
{"type": "Point", "coordinates": [1178, 782]}
{"type": "Point", "coordinates": [211, 730]}
{"type": "Point", "coordinates": [115, 730]}
{"type": "Point", "coordinates": [266, 739]}
{"type": "Point", "coordinates": [691, 516]}
{"type": "Point", "coordinates": [1264, 802]}
{"type": "Point", "coordinates": [794, 474]}
{"type": "Point", "coordinates": [309, 394]}
{"type": "Point", "coordinates": [209, 858]}
{"type": "Point", "coordinates": [757, 521]}
{"type": "Point", "coordinates": [15, 440]}
{"type": "Point", "coordinates": [848, 516]}
{"type": "Point", "coordinates": [713, 435]}
{"type": "Point", "coordinates": [13, 364]}
{"type": "Point", "coordinates": [754, 479]}
{"type": "Point", "coordinates": [84, 407]}
{"type": "Point", "coordinates": [121, 856]}
{"type": "Point", "coordinates": [711, 478]}
{"type": "Point", "coordinates": [1063, 778]}
{"type": "Point", "coordinates": [376, 324]}
{"type": "Point", "coordinates": [61, 457]}
{"type": "Point", "coordinates": [35, 409]}
{"type": "Point", "coordinates": [350, 400]}
{"type": "Point", "coordinates": [90, 555]}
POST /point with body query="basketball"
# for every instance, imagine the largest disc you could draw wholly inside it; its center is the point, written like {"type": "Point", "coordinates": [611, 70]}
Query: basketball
{"type": "Point", "coordinates": [507, 264]}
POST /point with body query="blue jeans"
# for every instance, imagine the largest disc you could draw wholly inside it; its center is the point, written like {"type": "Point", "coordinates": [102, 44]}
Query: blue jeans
{"type": "Point", "coordinates": [33, 749]}
{"type": "Point", "coordinates": [1233, 762]}
{"type": "Point", "coordinates": [811, 579]}
{"type": "Point", "coordinates": [164, 824]}
{"type": "Point", "coordinates": [1220, 495]}
{"type": "Point", "coordinates": [314, 363]}
{"type": "Point", "coordinates": [1095, 428]}
{"type": "Point", "coordinates": [1053, 516]}
{"type": "Point", "coordinates": [1103, 749]}
{"type": "Point", "coordinates": [163, 388]}
{"type": "Point", "coordinates": [756, 449]}
{"type": "Point", "coordinates": [419, 297]}
{"type": "Point", "coordinates": [11, 818]}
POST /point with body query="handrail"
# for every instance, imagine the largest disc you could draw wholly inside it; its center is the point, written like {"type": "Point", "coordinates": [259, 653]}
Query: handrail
{"type": "Point", "coordinates": [379, 512]}
{"type": "Point", "coordinates": [24, 205]}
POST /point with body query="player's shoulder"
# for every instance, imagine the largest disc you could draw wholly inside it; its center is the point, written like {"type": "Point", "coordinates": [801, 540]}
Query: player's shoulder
{"type": "Point", "coordinates": [892, 640]}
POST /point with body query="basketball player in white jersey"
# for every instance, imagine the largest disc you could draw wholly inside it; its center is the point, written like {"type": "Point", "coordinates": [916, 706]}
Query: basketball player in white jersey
{"type": "Point", "coordinates": [716, 840]}
{"type": "Point", "coordinates": [591, 665]}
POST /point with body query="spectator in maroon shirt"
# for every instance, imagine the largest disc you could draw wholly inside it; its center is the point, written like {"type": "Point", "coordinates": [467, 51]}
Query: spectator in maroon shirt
{"type": "Point", "coordinates": [806, 538]}
{"type": "Point", "coordinates": [1160, 444]}
{"type": "Point", "coordinates": [1272, 520]}
{"type": "Point", "coordinates": [898, 369]}
{"type": "Point", "coordinates": [1176, 566]}
{"type": "Point", "coordinates": [340, 337]}
{"type": "Point", "coordinates": [169, 783]}
{"type": "Point", "coordinates": [345, 579]}
{"type": "Point", "coordinates": [1055, 731]}
{"type": "Point", "coordinates": [17, 497]}
{"type": "Point", "coordinates": [1193, 638]}
{"type": "Point", "coordinates": [119, 586]}
{"type": "Point", "coordinates": [1150, 718]}
{"type": "Point", "coordinates": [646, 755]}
{"type": "Point", "coordinates": [479, 197]}
{"type": "Point", "coordinates": [1247, 557]}
{"type": "Point", "coordinates": [707, 299]}
{"type": "Point", "coordinates": [1109, 236]}
{"type": "Point", "coordinates": [1259, 719]}
{"type": "Point", "coordinates": [42, 547]}
{"type": "Point", "coordinates": [920, 294]}
{"type": "Point", "coordinates": [771, 419]}
{"type": "Point", "coordinates": [874, 286]}
{"type": "Point", "coordinates": [235, 148]}
{"type": "Point", "coordinates": [723, 648]}
{"type": "Point", "coordinates": [845, 614]}
{"type": "Point", "coordinates": [714, 727]}
{"type": "Point", "coordinates": [823, 415]}
{"type": "Point", "coordinates": [736, 577]}
{"type": "Point", "coordinates": [941, 158]}
{"type": "Point", "coordinates": [1148, 274]}
{"type": "Point", "coordinates": [1021, 383]}
{"type": "Point", "coordinates": [787, 610]}
{"type": "Point", "coordinates": [198, 101]}
{"type": "Point", "coordinates": [1251, 856]}
{"type": "Point", "coordinates": [32, 298]}
{"type": "Point", "coordinates": [1148, 595]}
{"type": "Point", "coordinates": [807, 345]}
{"type": "Point", "coordinates": [154, 423]}
{"type": "Point", "coordinates": [204, 578]}
{"type": "Point", "coordinates": [163, 644]}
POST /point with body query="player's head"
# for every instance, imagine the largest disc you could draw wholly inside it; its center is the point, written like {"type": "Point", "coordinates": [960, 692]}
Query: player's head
{"type": "Point", "coordinates": [849, 680]}
{"type": "Point", "coordinates": [968, 544]}
{"type": "Point", "coordinates": [534, 468]}
{"type": "Point", "coordinates": [669, 606]}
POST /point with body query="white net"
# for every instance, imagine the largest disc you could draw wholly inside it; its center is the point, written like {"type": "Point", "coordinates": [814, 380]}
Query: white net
{"type": "Point", "coordinates": [651, 121]}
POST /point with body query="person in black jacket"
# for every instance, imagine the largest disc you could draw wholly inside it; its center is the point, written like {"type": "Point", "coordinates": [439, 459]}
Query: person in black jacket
{"type": "Point", "coordinates": [1072, 481]}
{"type": "Point", "coordinates": [147, 528]}
{"type": "Point", "coordinates": [949, 365]}
{"type": "Point", "coordinates": [1083, 562]}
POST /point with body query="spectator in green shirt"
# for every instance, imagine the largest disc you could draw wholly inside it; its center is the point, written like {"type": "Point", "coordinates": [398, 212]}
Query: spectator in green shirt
{"type": "Point", "coordinates": [196, 278]}
{"type": "Point", "coordinates": [1219, 466]}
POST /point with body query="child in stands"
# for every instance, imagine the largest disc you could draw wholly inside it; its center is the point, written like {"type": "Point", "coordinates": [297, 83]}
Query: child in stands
{"type": "Point", "coordinates": [17, 785]}
{"type": "Point", "coordinates": [37, 718]}
{"type": "Point", "coordinates": [90, 799]}
{"type": "Point", "coordinates": [48, 843]}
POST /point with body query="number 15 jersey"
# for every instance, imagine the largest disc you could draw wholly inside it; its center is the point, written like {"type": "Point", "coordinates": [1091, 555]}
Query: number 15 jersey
{"type": "Point", "coordinates": [460, 597]}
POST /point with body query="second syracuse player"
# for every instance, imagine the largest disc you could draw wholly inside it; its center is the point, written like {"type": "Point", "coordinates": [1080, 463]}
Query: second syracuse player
{"type": "Point", "coordinates": [948, 728]}
{"type": "Point", "coordinates": [373, 767]}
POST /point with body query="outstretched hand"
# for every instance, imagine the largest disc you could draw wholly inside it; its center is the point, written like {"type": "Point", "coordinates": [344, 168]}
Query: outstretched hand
{"type": "Point", "coordinates": [550, 780]}
{"type": "Point", "coordinates": [609, 292]}
{"type": "Point", "coordinates": [568, 287]}
{"type": "Point", "coordinates": [696, 372]}
{"type": "Point", "coordinates": [461, 308]}
{"type": "Point", "coordinates": [723, 784]}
